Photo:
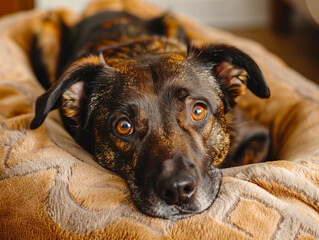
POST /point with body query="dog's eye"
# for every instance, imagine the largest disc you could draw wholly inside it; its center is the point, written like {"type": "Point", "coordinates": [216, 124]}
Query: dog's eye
{"type": "Point", "coordinates": [124, 127]}
{"type": "Point", "coordinates": [198, 112]}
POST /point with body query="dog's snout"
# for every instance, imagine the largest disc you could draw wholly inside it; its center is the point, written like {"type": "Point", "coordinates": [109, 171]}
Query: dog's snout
{"type": "Point", "coordinates": [176, 184]}
{"type": "Point", "coordinates": [176, 189]}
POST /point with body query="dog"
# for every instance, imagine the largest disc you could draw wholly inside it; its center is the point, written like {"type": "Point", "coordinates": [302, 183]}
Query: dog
{"type": "Point", "coordinates": [149, 104]}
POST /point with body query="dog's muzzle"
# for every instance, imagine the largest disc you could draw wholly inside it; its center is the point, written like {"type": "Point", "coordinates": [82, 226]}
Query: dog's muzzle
{"type": "Point", "coordinates": [176, 183]}
{"type": "Point", "coordinates": [176, 186]}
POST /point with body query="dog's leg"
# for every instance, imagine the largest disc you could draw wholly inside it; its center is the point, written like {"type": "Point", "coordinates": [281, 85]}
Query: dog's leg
{"type": "Point", "coordinates": [45, 49]}
{"type": "Point", "coordinates": [250, 141]}
{"type": "Point", "coordinates": [167, 25]}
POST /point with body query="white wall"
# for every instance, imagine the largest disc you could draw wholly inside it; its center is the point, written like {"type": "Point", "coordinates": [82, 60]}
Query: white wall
{"type": "Point", "coordinates": [222, 13]}
{"type": "Point", "coordinates": [77, 5]}
{"type": "Point", "coordinates": [228, 14]}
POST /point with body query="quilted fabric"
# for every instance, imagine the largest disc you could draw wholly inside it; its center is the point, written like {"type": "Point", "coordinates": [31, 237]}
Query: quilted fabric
{"type": "Point", "coordinates": [52, 189]}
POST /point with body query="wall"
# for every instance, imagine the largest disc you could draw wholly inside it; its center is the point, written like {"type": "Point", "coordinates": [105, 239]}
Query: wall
{"type": "Point", "coordinates": [228, 14]}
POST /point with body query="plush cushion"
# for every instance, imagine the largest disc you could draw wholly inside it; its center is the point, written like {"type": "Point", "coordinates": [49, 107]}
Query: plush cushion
{"type": "Point", "coordinates": [52, 189]}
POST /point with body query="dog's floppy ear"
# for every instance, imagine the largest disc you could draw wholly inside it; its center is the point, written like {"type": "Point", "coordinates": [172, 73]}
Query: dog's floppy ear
{"type": "Point", "coordinates": [70, 91]}
{"type": "Point", "coordinates": [233, 70]}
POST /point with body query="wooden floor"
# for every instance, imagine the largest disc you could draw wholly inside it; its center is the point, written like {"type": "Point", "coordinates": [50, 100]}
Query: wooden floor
{"type": "Point", "coordinates": [299, 48]}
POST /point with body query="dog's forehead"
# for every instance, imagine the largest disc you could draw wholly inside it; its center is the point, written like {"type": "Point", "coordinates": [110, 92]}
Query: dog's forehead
{"type": "Point", "coordinates": [156, 73]}
{"type": "Point", "coordinates": [155, 80]}
{"type": "Point", "coordinates": [137, 67]}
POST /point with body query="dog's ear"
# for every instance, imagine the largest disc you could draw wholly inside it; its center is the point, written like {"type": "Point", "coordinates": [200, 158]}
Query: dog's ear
{"type": "Point", "coordinates": [71, 91]}
{"type": "Point", "coordinates": [233, 70]}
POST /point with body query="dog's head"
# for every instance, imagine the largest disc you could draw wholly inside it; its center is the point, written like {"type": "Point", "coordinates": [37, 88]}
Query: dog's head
{"type": "Point", "coordinates": [158, 120]}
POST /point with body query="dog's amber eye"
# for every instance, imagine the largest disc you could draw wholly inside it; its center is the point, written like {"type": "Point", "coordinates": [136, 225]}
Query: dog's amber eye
{"type": "Point", "coordinates": [124, 127]}
{"type": "Point", "coordinates": [198, 112]}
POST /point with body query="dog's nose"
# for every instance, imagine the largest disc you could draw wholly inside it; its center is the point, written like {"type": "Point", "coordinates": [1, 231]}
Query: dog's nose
{"type": "Point", "coordinates": [176, 189]}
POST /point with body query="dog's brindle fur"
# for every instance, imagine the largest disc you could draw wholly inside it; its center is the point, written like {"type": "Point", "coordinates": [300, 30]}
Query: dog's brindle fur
{"type": "Point", "coordinates": [117, 69]}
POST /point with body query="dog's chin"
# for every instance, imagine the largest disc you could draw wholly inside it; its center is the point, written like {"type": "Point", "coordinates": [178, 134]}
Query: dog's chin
{"type": "Point", "coordinates": [162, 210]}
{"type": "Point", "coordinates": [150, 204]}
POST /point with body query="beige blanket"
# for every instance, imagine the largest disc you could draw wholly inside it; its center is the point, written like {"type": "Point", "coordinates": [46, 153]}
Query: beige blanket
{"type": "Point", "coordinates": [51, 189]}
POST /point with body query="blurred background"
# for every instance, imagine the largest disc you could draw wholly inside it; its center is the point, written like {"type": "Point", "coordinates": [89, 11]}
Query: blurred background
{"type": "Point", "coordinates": [288, 28]}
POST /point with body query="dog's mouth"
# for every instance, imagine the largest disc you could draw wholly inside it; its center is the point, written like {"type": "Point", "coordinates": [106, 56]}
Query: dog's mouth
{"type": "Point", "coordinates": [152, 205]}
{"type": "Point", "coordinates": [183, 213]}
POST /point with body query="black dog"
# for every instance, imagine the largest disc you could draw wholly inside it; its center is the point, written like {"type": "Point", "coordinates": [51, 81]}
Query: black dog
{"type": "Point", "coordinates": [149, 105]}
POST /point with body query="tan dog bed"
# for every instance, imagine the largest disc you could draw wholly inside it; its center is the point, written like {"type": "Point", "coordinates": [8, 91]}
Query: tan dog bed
{"type": "Point", "coordinates": [51, 189]}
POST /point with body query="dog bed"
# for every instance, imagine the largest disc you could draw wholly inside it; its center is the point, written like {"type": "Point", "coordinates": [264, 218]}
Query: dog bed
{"type": "Point", "coordinates": [52, 189]}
